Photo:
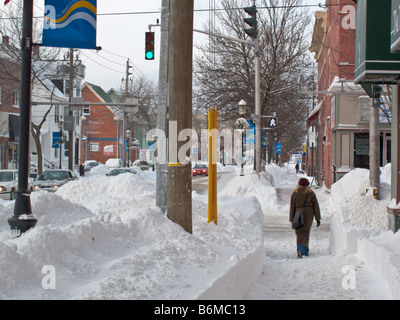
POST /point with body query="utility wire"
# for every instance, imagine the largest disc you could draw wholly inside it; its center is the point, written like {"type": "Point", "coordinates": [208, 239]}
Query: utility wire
{"type": "Point", "coordinates": [201, 10]}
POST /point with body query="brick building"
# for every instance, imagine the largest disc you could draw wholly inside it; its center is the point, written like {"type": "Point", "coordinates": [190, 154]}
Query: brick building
{"type": "Point", "coordinates": [340, 120]}
{"type": "Point", "coordinates": [101, 126]}
{"type": "Point", "coordinates": [9, 107]}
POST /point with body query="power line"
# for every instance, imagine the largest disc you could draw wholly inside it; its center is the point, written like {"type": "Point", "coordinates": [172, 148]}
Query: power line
{"type": "Point", "coordinates": [203, 10]}
{"type": "Point", "coordinates": [117, 71]}
{"type": "Point", "coordinates": [109, 60]}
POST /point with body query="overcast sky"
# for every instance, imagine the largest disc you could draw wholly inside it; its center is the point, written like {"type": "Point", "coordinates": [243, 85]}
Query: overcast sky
{"type": "Point", "coordinates": [122, 37]}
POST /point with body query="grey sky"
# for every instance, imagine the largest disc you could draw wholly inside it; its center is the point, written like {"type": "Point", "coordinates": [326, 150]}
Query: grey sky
{"type": "Point", "coordinates": [122, 37]}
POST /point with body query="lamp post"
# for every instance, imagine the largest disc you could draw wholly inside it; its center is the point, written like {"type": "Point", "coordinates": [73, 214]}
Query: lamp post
{"type": "Point", "coordinates": [242, 112]}
{"type": "Point", "coordinates": [128, 142]}
{"type": "Point", "coordinates": [23, 219]}
{"type": "Point", "coordinates": [60, 126]}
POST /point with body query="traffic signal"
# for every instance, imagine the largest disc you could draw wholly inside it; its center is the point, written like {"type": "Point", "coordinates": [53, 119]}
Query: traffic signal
{"type": "Point", "coordinates": [149, 46]}
{"type": "Point", "coordinates": [252, 22]}
{"type": "Point", "coordinates": [272, 122]}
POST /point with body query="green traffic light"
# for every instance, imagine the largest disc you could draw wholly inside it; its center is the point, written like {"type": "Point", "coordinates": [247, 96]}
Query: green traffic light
{"type": "Point", "coordinates": [149, 55]}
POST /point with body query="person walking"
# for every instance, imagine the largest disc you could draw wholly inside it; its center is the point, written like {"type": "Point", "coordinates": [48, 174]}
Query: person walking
{"type": "Point", "coordinates": [301, 197]}
{"type": "Point", "coordinates": [297, 167]}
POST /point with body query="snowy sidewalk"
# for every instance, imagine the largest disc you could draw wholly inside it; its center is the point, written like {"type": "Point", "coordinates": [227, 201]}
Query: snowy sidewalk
{"type": "Point", "coordinates": [318, 276]}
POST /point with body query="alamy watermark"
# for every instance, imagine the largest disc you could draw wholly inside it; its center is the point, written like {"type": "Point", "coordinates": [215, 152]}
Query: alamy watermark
{"type": "Point", "coordinates": [349, 280]}
{"type": "Point", "coordinates": [183, 146]}
{"type": "Point", "coordinates": [349, 20]}
{"type": "Point", "coordinates": [49, 280]}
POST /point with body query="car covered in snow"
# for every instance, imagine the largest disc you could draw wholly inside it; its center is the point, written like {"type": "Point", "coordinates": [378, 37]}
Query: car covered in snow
{"type": "Point", "coordinates": [89, 164]}
{"type": "Point", "coordinates": [52, 179]}
{"type": "Point", "coordinates": [114, 163]}
{"type": "Point", "coordinates": [117, 171]}
{"type": "Point", "coordinates": [9, 183]}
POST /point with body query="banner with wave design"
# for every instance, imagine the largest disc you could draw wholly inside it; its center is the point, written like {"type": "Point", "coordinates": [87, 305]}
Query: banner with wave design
{"type": "Point", "coordinates": [70, 24]}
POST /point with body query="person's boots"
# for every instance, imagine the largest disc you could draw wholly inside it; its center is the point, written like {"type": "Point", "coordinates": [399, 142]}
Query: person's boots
{"type": "Point", "coordinates": [299, 255]}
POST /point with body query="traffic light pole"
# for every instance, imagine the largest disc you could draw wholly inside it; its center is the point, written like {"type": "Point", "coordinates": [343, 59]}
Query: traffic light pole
{"type": "Point", "coordinates": [258, 104]}
{"type": "Point", "coordinates": [161, 174]}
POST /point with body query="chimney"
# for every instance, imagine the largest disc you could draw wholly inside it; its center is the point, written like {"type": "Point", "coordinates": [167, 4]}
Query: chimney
{"type": "Point", "coordinates": [6, 40]}
{"type": "Point", "coordinates": [36, 50]}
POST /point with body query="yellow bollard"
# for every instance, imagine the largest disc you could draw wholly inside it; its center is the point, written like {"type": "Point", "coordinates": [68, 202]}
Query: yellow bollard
{"type": "Point", "coordinates": [212, 165]}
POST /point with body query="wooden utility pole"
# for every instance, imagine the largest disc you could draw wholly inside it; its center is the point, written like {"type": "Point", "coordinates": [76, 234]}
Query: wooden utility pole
{"type": "Point", "coordinates": [179, 179]}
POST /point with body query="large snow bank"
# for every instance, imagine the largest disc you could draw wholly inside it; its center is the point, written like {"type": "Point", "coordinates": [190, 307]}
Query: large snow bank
{"type": "Point", "coordinates": [106, 239]}
{"type": "Point", "coordinates": [358, 214]}
{"type": "Point", "coordinates": [360, 223]}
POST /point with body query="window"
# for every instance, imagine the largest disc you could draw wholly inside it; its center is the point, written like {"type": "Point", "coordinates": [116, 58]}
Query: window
{"type": "Point", "coordinates": [16, 98]}
{"type": "Point", "coordinates": [56, 113]}
{"type": "Point", "coordinates": [86, 110]}
{"type": "Point", "coordinates": [361, 150]}
{"type": "Point", "coordinates": [94, 147]}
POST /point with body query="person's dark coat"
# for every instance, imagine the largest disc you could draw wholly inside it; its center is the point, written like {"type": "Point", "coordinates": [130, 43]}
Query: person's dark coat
{"type": "Point", "coordinates": [311, 210]}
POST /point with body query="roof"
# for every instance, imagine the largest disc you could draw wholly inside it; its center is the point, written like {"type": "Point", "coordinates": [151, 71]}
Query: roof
{"type": "Point", "coordinates": [110, 97]}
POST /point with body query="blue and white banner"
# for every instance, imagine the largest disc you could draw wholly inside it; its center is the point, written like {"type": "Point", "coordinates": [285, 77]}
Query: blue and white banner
{"type": "Point", "coordinates": [70, 24]}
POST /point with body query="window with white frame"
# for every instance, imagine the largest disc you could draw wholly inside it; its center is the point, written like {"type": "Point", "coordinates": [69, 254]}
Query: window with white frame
{"type": "Point", "coordinates": [16, 98]}
{"type": "Point", "coordinates": [86, 110]}
{"type": "Point", "coordinates": [94, 147]}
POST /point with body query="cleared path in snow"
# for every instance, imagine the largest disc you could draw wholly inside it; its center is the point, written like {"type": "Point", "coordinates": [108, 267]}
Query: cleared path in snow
{"type": "Point", "coordinates": [318, 276]}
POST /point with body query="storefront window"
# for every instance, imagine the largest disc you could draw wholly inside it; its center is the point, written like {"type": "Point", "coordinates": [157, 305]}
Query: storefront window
{"type": "Point", "coordinates": [361, 150]}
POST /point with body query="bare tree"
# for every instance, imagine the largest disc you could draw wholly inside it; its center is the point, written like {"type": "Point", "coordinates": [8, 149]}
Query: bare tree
{"type": "Point", "coordinates": [224, 71]}
{"type": "Point", "coordinates": [145, 91]}
{"type": "Point", "coordinates": [43, 60]}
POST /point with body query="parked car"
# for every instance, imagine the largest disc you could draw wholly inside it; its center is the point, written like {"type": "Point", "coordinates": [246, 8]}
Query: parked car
{"type": "Point", "coordinates": [9, 184]}
{"type": "Point", "coordinates": [114, 163]}
{"type": "Point", "coordinates": [52, 179]}
{"type": "Point", "coordinates": [142, 164]}
{"type": "Point", "coordinates": [33, 171]}
{"type": "Point", "coordinates": [117, 171]}
{"type": "Point", "coordinates": [89, 164]}
{"type": "Point", "coordinates": [200, 169]}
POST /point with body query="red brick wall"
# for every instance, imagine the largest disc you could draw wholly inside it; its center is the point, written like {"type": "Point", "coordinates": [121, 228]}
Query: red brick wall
{"type": "Point", "coordinates": [336, 59]}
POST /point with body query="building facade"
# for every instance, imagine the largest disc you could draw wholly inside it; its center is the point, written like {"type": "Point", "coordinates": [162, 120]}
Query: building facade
{"type": "Point", "coordinates": [340, 121]}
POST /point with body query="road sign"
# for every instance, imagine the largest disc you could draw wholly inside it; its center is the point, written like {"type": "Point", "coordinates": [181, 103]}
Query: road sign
{"type": "Point", "coordinates": [272, 122]}
{"type": "Point", "coordinates": [278, 148]}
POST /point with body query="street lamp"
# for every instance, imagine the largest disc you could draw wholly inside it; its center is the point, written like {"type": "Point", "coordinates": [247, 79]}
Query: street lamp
{"type": "Point", "coordinates": [60, 126]}
{"type": "Point", "coordinates": [23, 219]}
{"type": "Point", "coordinates": [242, 107]}
{"type": "Point", "coordinates": [127, 144]}
{"type": "Point", "coordinates": [242, 111]}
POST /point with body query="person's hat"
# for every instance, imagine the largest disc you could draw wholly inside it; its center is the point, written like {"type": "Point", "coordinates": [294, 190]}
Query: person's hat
{"type": "Point", "coordinates": [304, 182]}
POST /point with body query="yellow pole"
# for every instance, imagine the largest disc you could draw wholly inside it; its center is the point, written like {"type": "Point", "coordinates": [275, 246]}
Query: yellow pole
{"type": "Point", "coordinates": [215, 166]}
{"type": "Point", "coordinates": [212, 166]}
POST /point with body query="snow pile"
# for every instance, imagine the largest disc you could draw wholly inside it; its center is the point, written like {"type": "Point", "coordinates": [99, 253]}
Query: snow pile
{"type": "Point", "coordinates": [106, 239]}
{"type": "Point", "coordinates": [234, 185]}
{"type": "Point", "coordinates": [360, 224]}
{"type": "Point", "coordinates": [362, 209]}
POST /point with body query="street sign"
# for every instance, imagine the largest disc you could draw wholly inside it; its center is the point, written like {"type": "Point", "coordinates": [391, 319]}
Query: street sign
{"type": "Point", "coordinates": [395, 34]}
{"type": "Point", "coordinates": [278, 148]}
{"type": "Point", "coordinates": [70, 24]}
{"type": "Point", "coordinates": [374, 61]}
{"type": "Point", "coordinates": [272, 122]}
{"type": "Point", "coordinates": [56, 140]}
